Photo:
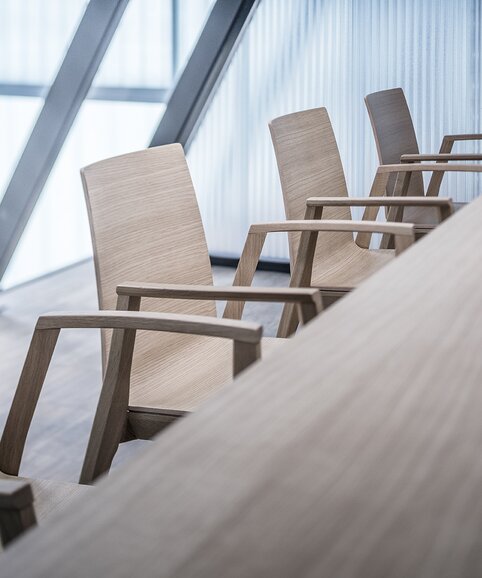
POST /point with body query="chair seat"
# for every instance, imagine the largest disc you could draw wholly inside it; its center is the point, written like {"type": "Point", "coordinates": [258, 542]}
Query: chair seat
{"type": "Point", "coordinates": [50, 496]}
{"type": "Point", "coordinates": [182, 376]}
{"type": "Point", "coordinates": [347, 267]}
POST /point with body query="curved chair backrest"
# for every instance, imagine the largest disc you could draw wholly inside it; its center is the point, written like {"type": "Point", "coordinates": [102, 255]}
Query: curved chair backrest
{"type": "Point", "coordinates": [394, 133]}
{"type": "Point", "coordinates": [309, 165]}
{"type": "Point", "coordinates": [146, 226]}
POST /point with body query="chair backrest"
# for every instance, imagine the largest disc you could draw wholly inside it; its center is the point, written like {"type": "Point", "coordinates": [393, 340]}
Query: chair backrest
{"type": "Point", "coordinates": [394, 133]}
{"type": "Point", "coordinates": [309, 165]}
{"type": "Point", "coordinates": [146, 226]}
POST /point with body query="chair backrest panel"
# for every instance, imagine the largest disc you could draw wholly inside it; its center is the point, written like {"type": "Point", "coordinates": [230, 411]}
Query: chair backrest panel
{"type": "Point", "coordinates": [309, 165]}
{"type": "Point", "coordinates": [394, 132]}
{"type": "Point", "coordinates": [146, 226]}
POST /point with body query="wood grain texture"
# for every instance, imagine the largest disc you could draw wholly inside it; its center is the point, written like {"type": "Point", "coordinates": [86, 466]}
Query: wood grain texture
{"type": "Point", "coordinates": [111, 416]}
{"type": "Point", "coordinates": [245, 271]}
{"type": "Point", "coordinates": [146, 226]}
{"type": "Point", "coordinates": [60, 428]}
{"type": "Point", "coordinates": [373, 471]}
{"type": "Point", "coordinates": [110, 420]}
{"type": "Point", "coordinates": [309, 165]}
{"type": "Point", "coordinates": [394, 133]}
{"type": "Point", "coordinates": [417, 213]}
{"type": "Point", "coordinates": [468, 136]}
{"type": "Point", "coordinates": [16, 509]}
{"type": "Point", "coordinates": [396, 142]}
{"type": "Point", "coordinates": [379, 202]}
{"type": "Point", "coordinates": [245, 331]}
{"type": "Point", "coordinates": [50, 496]}
{"type": "Point", "coordinates": [436, 168]}
{"type": "Point", "coordinates": [14, 435]}
{"type": "Point", "coordinates": [441, 157]}
{"type": "Point", "coordinates": [166, 291]}
{"type": "Point", "coordinates": [398, 229]}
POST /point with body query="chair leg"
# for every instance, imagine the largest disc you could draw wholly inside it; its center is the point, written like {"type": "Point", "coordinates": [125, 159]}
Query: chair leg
{"type": "Point", "coordinates": [111, 416]}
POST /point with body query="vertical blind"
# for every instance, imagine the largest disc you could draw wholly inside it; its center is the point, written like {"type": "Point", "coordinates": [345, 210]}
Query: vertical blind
{"type": "Point", "coordinates": [299, 54]}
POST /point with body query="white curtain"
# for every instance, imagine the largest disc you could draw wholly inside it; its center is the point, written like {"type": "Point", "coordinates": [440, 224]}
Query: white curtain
{"type": "Point", "coordinates": [300, 54]}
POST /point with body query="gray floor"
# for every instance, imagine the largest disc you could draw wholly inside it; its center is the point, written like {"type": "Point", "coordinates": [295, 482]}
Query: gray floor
{"type": "Point", "coordinates": [59, 433]}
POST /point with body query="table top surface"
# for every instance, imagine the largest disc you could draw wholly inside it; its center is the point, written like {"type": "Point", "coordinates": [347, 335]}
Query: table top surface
{"type": "Point", "coordinates": [354, 450]}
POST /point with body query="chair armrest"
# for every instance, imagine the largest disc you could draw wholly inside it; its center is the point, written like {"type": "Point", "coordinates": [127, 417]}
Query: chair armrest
{"type": "Point", "coordinates": [243, 331]}
{"type": "Point", "coordinates": [379, 202]}
{"type": "Point", "coordinates": [404, 230]}
{"type": "Point", "coordinates": [407, 169]}
{"type": "Point", "coordinates": [16, 509]}
{"type": "Point", "coordinates": [445, 206]}
{"type": "Point", "coordinates": [436, 167]}
{"type": "Point", "coordinates": [441, 157]}
{"type": "Point", "coordinates": [456, 137]}
{"type": "Point", "coordinates": [201, 292]}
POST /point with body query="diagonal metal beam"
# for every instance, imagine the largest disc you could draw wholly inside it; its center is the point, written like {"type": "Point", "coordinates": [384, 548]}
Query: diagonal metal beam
{"type": "Point", "coordinates": [61, 106]}
{"type": "Point", "coordinates": [196, 85]}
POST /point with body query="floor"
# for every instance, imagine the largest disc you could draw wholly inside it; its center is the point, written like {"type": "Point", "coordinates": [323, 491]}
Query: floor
{"type": "Point", "coordinates": [59, 433]}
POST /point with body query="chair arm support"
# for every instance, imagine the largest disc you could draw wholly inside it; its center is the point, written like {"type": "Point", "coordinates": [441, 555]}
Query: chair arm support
{"type": "Point", "coordinates": [242, 331]}
{"type": "Point", "coordinates": [441, 157]}
{"type": "Point", "coordinates": [455, 137]}
{"type": "Point", "coordinates": [398, 229]}
{"type": "Point", "coordinates": [379, 202]}
{"type": "Point", "coordinates": [16, 509]}
{"type": "Point", "coordinates": [436, 167]}
{"type": "Point", "coordinates": [200, 292]}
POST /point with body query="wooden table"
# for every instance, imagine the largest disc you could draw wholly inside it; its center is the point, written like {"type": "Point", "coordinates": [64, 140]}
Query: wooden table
{"type": "Point", "coordinates": [353, 451]}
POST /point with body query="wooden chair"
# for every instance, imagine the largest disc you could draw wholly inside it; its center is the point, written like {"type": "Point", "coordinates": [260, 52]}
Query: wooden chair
{"type": "Point", "coordinates": [313, 186]}
{"type": "Point", "coordinates": [146, 227]}
{"type": "Point", "coordinates": [17, 495]}
{"type": "Point", "coordinates": [396, 143]}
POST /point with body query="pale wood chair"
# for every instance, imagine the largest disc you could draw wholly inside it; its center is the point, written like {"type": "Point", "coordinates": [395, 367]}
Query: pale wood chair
{"type": "Point", "coordinates": [313, 185]}
{"type": "Point", "coordinates": [17, 495]}
{"type": "Point", "coordinates": [146, 227]}
{"type": "Point", "coordinates": [396, 143]}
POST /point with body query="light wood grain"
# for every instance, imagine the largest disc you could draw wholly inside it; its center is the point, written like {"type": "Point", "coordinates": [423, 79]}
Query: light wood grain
{"type": "Point", "coordinates": [166, 291]}
{"type": "Point", "coordinates": [379, 202]}
{"type": "Point", "coordinates": [146, 227]}
{"type": "Point", "coordinates": [55, 448]}
{"type": "Point", "coordinates": [440, 157]}
{"type": "Point", "coordinates": [468, 136]}
{"type": "Point", "coordinates": [403, 229]}
{"type": "Point", "coordinates": [436, 168]}
{"type": "Point", "coordinates": [244, 331]}
{"type": "Point", "coordinates": [352, 452]}
{"type": "Point", "coordinates": [394, 134]}
{"type": "Point", "coordinates": [16, 509]}
{"type": "Point", "coordinates": [309, 166]}
{"type": "Point", "coordinates": [302, 274]}
{"type": "Point", "coordinates": [111, 417]}
{"type": "Point", "coordinates": [396, 142]}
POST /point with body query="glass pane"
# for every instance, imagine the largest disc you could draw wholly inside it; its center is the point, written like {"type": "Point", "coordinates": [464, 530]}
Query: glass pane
{"type": "Point", "coordinates": [35, 34]}
{"type": "Point", "coordinates": [17, 115]}
{"type": "Point", "coordinates": [30, 59]}
{"type": "Point", "coordinates": [303, 54]}
{"type": "Point", "coordinates": [142, 55]}
{"type": "Point", "coordinates": [57, 234]}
